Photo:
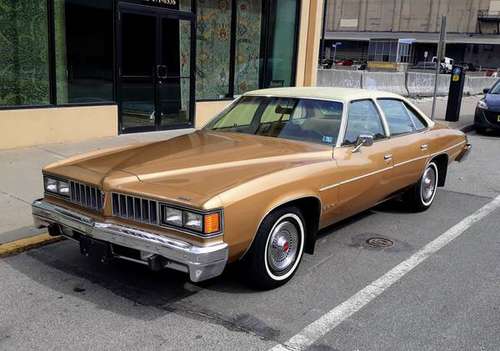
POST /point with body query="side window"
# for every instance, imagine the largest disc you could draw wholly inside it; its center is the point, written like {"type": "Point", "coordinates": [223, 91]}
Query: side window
{"type": "Point", "coordinates": [363, 118]}
{"type": "Point", "coordinates": [417, 120]}
{"type": "Point", "coordinates": [397, 116]}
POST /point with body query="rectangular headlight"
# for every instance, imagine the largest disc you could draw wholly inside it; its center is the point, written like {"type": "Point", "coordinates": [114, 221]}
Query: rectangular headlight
{"type": "Point", "coordinates": [193, 221]}
{"type": "Point", "coordinates": [56, 186]}
{"type": "Point", "coordinates": [51, 185]}
{"type": "Point", "coordinates": [63, 188]}
{"type": "Point", "coordinates": [203, 223]}
{"type": "Point", "coordinates": [173, 216]}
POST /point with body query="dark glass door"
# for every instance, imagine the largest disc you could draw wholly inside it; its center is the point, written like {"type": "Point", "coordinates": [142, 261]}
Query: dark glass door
{"type": "Point", "coordinates": [174, 82]}
{"type": "Point", "coordinates": [155, 77]}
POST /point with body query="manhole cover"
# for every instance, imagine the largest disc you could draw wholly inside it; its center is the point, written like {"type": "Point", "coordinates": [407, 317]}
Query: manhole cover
{"type": "Point", "coordinates": [379, 242]}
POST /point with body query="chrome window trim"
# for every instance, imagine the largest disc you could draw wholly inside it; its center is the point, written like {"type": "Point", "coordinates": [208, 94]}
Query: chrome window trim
{"type": "Point", "coordinates": [384, 118]}
{"type": "Point", "coordinates": [340, 142]}
{"type": "Point", "coordinates": [415, 111]}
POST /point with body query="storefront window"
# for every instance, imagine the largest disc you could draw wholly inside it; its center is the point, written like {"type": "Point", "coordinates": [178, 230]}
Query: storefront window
{"type": "Point", "coordinates": [24, 68]}
{"type": "Point", "coordinates": [281, 60]}
{"type": "Point", "coordinates": [84, 50]}
{"type": "Point", "coordinates": [248, 39]}
{"type": "Point", "coordinates": [213, 49]}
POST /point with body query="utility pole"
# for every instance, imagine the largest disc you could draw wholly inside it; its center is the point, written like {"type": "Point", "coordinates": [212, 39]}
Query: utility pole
{"type": "Point", "coordinates": [323, 33]}
{"type": "Point", "coordinates": [440, 53]}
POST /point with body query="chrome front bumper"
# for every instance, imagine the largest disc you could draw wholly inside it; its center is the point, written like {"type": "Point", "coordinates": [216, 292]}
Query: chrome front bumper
{"type": "Point", "coordinates": [200, 262]}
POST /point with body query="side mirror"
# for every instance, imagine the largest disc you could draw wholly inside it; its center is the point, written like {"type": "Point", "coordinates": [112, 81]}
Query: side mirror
{"type": "Point", "coordinates": [486, 91]}
{"type": "Point", "coordinates": [363, 140]}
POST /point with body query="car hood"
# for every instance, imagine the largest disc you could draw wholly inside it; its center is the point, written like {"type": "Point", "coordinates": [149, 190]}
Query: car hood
{"type": "Point", "coordinates": [493, 101]}
{"type": "Point", "coordinates": [191, 168]}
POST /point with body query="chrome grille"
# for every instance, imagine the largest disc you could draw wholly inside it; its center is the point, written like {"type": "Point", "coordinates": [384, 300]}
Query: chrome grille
{"type": "Point", "coordinates": [135, 208]}
{"type": "Point", "coordinates": [86, 195]}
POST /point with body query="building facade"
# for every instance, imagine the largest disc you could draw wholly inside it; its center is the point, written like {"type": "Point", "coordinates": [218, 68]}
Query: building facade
{"type": "Point", "coordinates": [473, 27]}
{"type": "Point", "coordinates": [76, 69]}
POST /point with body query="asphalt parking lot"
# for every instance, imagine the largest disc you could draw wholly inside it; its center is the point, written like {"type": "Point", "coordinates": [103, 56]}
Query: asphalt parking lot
{"type": "Point", "coordinates": [53, 298]}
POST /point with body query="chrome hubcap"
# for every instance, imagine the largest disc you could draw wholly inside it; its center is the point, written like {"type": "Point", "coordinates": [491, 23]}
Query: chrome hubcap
{"type": "Point", "coordinates": [428, 184]}
{"type": "Point", "coordinates": [283, 246]}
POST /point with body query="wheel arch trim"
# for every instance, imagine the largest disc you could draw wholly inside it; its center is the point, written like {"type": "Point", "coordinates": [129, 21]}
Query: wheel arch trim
{"type": "Point", "coordinates": [310, 237]}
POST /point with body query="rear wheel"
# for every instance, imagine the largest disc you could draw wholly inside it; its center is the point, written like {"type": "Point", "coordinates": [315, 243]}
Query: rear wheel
{"type": "Point", "coordinates": [421, 195]}
{"type": "Point", "coordinates": [277, 249]}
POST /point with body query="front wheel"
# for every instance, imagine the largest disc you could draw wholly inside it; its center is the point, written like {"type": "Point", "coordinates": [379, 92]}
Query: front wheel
{"type": "Point", "coordinates": [421, 195]}
{"type": "Point", "coordinates": [277, 249]}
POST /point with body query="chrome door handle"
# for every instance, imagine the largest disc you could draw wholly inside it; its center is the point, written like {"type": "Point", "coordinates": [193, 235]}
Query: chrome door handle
{"type": "Point", "coordinates": [424, 147]}
{"type": "Point", "coordinates": [388, 157]}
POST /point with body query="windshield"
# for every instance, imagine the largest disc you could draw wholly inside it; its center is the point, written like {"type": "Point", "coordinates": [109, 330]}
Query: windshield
{"type": "Point", "coordinates": [309, 120]}
{"type": "Point", "coordinates": [495, 89]}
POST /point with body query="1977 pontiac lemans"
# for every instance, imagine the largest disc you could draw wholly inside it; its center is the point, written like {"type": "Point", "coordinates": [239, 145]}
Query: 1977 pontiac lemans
{"type": "Point", "coordinates": [254, 185]}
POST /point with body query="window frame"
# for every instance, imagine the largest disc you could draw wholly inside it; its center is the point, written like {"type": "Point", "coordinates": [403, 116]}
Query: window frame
{"type": "Point", "coordinates": [409, 108]}
{"type": "Point", "coordinates": [343, 128]}
{"type": "Point", "coordinates": [266, 37]}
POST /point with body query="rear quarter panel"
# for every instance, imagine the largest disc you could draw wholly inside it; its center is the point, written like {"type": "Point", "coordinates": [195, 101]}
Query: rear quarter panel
{"type": "Point", "coordinates": [444, 140]}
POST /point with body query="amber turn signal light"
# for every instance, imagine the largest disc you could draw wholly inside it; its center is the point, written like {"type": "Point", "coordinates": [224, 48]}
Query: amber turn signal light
{"type": "Point", "coordinates": [212, 223]}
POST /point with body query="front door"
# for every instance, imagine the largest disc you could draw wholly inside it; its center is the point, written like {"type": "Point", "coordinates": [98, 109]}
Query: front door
{"type": "Point", "coordinates": [156, 83]}
{"type": "Point", "coordinates": [362, 177]}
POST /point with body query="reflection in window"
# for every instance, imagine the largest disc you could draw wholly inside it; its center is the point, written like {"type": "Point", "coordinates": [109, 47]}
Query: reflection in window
{"type": "Point", "coordinates": [397, 116]}
{"type": "Point", "coordinates": [304, 120]}
{"type": "Point", "coordinates": [248, 33]}
{"type": "Point", "coordinates": [213, 48]}
{"type": "Point", "coordinates": [241, 115]}
{"type": "Point", "coordinates": [280, 64]}
{"type": "Point", "coordinates": [363, 118]}
{"type": "Point", "coordinates": [84, 50]}
{"type": "Point", "coordinates": [24, 71]}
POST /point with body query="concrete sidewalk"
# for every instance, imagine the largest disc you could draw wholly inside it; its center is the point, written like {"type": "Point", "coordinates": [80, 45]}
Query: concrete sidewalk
{"type": "Point", "coordinates": [466, 111]}
{"type": "Point", "coordinates": [21, 177]}
{"type": "Point", "coordinates": [21, 181]}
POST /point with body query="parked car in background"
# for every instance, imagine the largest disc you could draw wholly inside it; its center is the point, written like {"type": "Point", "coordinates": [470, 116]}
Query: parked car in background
{"type": "Point", "coordinates": [255, 185]}
{"type": "Point", "coordinates": [429, 66]}
{"type": "Point", "coordinates": [344, 62]}
{"type": "Point", "coordinates": [487, 114]}
{"type": "Point", "coordinates": [447, 63]}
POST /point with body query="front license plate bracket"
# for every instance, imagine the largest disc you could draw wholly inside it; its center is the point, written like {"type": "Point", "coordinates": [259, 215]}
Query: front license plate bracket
{"type": "Point", "coordinates": [95, 249]}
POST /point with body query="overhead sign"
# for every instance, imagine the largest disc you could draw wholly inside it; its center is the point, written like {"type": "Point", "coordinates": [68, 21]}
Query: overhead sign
{"type": "Point", "coordinates": [407, 41]}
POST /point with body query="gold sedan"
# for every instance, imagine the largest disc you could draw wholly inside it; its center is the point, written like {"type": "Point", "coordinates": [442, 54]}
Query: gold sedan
{"type": "Point", "coordinates": [255, 185]}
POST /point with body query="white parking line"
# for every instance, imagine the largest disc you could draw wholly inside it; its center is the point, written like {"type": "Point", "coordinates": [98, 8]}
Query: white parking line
{"type": "Point", "coordinates": [337, 315]}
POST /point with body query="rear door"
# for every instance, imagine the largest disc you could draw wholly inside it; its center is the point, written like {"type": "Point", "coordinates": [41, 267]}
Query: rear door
{"type": "Point", "coordinates": [409, 140]}
{"type": "Point", "coordinates": [362, 175]}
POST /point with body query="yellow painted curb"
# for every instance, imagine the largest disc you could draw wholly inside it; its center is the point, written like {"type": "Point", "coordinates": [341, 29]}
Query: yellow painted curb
{"type": "Point", "coordinates": [21, 245]}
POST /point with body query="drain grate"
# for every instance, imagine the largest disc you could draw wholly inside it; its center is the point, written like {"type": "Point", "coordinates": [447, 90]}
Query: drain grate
{"type": "Point", "coordinates": [378, 242]}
